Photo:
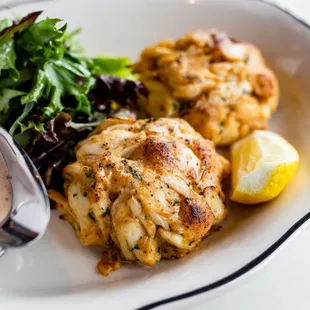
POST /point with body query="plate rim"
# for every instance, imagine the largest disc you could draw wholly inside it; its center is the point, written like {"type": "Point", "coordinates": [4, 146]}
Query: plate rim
{"type": "Point", "coordinates": [257, 261]}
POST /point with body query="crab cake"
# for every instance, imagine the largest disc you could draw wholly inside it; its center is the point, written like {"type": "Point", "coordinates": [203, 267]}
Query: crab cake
{"type": "Point", "coordinates": [150, 189]}
{"type": "Point", "coordinates": [221, 86]}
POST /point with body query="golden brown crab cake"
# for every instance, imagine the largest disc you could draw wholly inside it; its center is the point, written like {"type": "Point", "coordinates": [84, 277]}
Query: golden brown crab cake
{"type": "Point", "coordinates": [222, 87]}
{"type": "Point", "coordinates": [151, 189]}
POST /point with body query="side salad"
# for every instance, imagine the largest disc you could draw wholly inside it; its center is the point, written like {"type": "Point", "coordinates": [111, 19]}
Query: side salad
{"type": "Point", "coordinates": [51, 95]}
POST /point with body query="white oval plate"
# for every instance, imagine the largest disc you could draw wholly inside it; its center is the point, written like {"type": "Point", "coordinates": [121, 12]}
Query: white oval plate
{"type": "Point", "coordinates": [60, 272]}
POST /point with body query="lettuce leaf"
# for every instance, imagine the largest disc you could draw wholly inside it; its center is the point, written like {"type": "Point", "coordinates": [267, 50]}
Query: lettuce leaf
{"type": "Point", "coordinates": [51, 95]}
{"type": "Point", "coordinates": [120, 67]}
{"type": "Point", "coordinates": [6, 95]}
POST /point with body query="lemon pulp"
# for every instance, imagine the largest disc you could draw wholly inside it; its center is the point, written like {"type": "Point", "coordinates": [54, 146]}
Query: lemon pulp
{"type": "Point", "coordinates": [262, 165]}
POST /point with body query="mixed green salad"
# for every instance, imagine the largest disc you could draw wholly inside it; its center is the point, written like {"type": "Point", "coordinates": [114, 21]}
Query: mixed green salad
{"type": "Point", "coordinates": [51, 95]}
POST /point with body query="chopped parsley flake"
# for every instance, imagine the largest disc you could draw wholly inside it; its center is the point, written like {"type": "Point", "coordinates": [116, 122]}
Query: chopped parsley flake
{"type": "Point", "coordinates": [135, 173]}
{"type": "Point", "coordinates": [89, 173]}
{"type": "Point", "coordinates": [106, 212]}
{"type": "Point", "coordinates": [91, 216]}
{"type": "Point", "coordinates": [136, 247]}
{"type": "Point", "coordinates": [176, 202]}
{"type": "Point", "coordinates": [176, 105]}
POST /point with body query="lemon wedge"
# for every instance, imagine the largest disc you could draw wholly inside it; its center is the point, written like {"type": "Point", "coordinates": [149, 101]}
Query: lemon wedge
{"type": "Point", "coordinates": [262, 165]}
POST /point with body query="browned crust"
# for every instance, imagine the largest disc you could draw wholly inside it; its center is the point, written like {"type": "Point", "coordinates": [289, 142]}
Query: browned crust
{"type": "Point", "coordinates": [191, 213]}
{"type": "Point", "coordinates": [156, 177]}
{"type": "Point", "coordinates": [185, 72]}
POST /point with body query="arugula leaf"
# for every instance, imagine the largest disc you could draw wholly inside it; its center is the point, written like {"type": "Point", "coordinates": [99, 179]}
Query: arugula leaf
{"type": "Point", "coordinates": [24, 138]}
{"type": "Point", "coordinates": [7, 50]}
{"type": "Point", "coordinates": [26, 132]}
{"type": "Point", "coordinates": [38, 88]}
{"type": "Point", "coordinates": [63, 78]}
{"type": "Point", "coordinates": [54, 106]}
{"type": "Point", "coordinates": [41, 42]}
{"type": "Point", "coordinates": [25, 75]}
{"type": "Point", "coordinates": [5, 23]}
{"type": "Point", "coordinates": [28, 107]}
{"type": "Point", "coordinates": [42, 33]}
{"type": "Point", "coordinates": [51, 96]}
{"type": "Point", "coordinates": [7, 56]}
{"type": "Point", "coordinates": [74, 67]}
{"type": "Point", "coordinates": [57, 79]}
{"type": "Point", "coordinates": [31, 125]}
{"type": "Point", "coordinates": [83, 104]}
{"type": "Point", "coordinates": [6, 95]}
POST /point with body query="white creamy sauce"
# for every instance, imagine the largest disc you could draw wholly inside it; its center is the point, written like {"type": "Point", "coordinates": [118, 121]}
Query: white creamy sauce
{"type": "Point", "coordinates": [5, 191]}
